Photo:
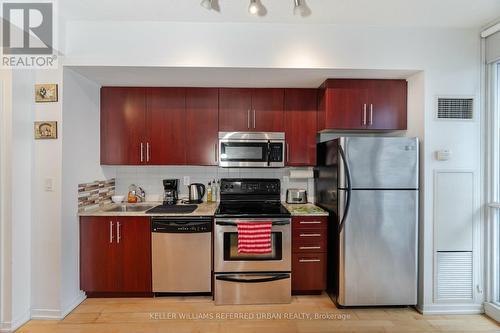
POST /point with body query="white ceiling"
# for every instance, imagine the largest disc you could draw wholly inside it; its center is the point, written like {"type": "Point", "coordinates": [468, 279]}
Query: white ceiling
{"type": "Point", "coordinates": [409, 13]}
{"type": "Point", "coordinates": [226, 77]}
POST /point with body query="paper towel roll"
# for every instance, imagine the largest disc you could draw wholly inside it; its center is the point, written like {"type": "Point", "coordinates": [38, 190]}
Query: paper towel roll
{"type": "Point", "coordinates": [301, 174]}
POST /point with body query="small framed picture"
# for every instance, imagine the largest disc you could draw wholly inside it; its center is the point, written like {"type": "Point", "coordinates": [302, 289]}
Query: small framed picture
{"type": "Point", "coordinates": [45, 130]}
{"type": "Point", "coordinates": [45, 93]}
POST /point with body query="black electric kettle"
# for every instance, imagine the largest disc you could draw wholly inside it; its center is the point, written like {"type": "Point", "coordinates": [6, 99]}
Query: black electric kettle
{"type": "Point", "coordinates": [196, 193]}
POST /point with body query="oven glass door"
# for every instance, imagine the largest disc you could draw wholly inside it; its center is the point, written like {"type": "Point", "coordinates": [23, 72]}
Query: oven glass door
{"type": "Point", "coordinates": [235, 153]}
{"type": "Point", "coordinates": [227, 259]}
{"type": "Point", "coordinates": [231, 248]}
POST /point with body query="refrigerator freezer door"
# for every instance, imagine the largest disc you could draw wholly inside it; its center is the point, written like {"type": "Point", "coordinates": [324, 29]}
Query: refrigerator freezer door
{"type": "Point", "coordinates": [381, 163]}
{"type": "Point", "coordinates": [378, 249]}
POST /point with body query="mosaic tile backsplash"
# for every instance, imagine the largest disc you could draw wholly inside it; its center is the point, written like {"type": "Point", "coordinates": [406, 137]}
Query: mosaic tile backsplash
{"type": "Point", "coordinates": [96, 194]}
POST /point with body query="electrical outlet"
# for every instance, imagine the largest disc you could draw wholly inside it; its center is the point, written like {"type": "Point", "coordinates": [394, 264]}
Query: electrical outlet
{"type": "Point", "coordinates": [187, 180]}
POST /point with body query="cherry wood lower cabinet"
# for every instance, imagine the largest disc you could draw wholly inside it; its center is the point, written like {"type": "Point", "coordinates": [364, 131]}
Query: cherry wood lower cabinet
{"type": "Point", "coordinates": [309, 258]}
{"type": "Point", "coordinates": [115, 256]}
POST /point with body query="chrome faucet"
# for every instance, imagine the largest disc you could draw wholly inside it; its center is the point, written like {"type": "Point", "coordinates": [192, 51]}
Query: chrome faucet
{"type": "Point", "coordinates": [138, 192]}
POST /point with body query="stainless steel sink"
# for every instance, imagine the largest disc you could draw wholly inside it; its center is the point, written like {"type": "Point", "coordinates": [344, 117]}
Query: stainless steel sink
{"type": "Point", "coordinates": [130, 208]}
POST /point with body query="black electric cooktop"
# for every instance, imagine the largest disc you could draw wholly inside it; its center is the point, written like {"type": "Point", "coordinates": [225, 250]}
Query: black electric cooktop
{"type": "Point", "coordinates": [255, 209]}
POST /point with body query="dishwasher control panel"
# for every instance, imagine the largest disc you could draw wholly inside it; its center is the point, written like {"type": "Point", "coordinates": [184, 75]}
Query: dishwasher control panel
{"type": "Point", "coordinates": [181, 225]}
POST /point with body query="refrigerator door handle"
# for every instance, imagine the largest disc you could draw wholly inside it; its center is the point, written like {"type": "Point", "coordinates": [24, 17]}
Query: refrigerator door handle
{"type": "Point", "coordinates": [349, 188]}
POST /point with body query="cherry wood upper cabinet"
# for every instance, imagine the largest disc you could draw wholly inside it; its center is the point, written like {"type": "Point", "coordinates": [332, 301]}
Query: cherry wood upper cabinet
{"type": "Point", "coordinates": [202, 125]}
{"type": "Point", "coordinates": [235, 105]}
{"type": "Point", "coordinates": [166, 126]}
{"type": "Point", "coordinates": [123, 123]}
{"type": "Point", "coordinates": [115, 255]}
{"type": "Point", "coordinates": [388, 105]}
{"type": "Point", "coordinates": [267, 110]}
{"type": "Point", "coordinates": [255, 110]}
{"type": "Point", "coordinates": [361, 104]}
{"type": "Point", "coordinates": [300, 126]}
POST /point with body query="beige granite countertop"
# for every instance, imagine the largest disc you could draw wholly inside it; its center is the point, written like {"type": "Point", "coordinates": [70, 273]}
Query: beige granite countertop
{"type": "Point", "coordinates": [204, 209]}
{"type": "Point", "coordinates": [308, 209]}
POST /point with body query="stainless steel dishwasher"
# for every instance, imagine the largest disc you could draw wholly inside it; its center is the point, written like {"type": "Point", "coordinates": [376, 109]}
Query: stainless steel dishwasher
{"type": "Point", "coordinates": [182, 254]}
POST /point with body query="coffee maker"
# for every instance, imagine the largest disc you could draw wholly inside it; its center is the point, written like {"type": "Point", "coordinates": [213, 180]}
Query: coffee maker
{"type": "Point", "coordinates": [170, 194]}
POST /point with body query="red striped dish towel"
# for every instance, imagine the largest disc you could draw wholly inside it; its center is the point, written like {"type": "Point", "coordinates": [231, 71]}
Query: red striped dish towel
{"type": "Point", "coordinates": [254, 237]}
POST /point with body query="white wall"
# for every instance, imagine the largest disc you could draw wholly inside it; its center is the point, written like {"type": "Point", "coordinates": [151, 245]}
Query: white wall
{"type": "Point", "coordinates": [81, 163]}
{"type": "Point", "coordinates": [449, 59]}
{"type": "Point", "coordinates": [46, 226]}
{"type": "Point", "coordinates": [150, 178]}
{"type": "Point", "coordinates": [16, 172]}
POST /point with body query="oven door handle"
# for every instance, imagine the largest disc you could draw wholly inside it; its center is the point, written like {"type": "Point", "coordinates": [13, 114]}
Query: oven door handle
{"type": "Point", "coordinates": [274, 277]}
{"type": "Point", "coordinates": [234, 224]}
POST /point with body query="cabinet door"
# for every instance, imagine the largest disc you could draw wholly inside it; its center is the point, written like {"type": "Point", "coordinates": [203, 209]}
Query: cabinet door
{"type": "Point", "coordinates": [235, 106]}
{"type": "Point", "coordinates": [123, 123]}
{"type": "Point", "coordinates": [345, 105]}
{"type": "Point", "coordinates": [202, 125]}
{"type": "Point", "coordinates": [99, 270]}
{"type": "Point", "coordinates": [387, 105]}
{"type": "Point", "coordinates": [300, 126]}
{"type": "Point", "coordinates": [308, 272]}
{"type": "Point", "coordinates": [267, 110]}
{"type": "Point", "coordinates": [166, 126]}
{"type": "Point", "coordinates": [134, 244]}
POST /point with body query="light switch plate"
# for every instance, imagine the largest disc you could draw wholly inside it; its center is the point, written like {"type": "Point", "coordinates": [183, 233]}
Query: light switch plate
{"type": "Point", "coordinates": [187, 180]}
{"type": "Point", "coordinates": [49, 184]}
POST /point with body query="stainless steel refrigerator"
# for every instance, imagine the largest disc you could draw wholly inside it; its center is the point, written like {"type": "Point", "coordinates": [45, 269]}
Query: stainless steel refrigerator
{"type": "Point", "coordinates": [370, 187]}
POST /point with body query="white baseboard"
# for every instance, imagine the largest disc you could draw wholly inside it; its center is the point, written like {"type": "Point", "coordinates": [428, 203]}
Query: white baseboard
{"type": "Point", "coordinates": [450, 309]}
{"type": "Point", "coordinates": [58, 314]}
{"type": "Point", "coordinates": [492, 311]}
{"type": "Point", "coordinates": [73, 304]}
{"type": "Point", "coordinates": [11, 326]}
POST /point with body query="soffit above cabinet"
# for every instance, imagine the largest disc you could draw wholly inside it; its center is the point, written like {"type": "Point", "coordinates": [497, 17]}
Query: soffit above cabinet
{"type": "Point", "coordinates": [226, 77]}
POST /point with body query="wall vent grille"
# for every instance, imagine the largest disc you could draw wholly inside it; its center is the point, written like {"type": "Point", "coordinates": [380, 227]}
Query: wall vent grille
{"type": "Point", "coordinates": [455, 108]}
{"type": "Point", "coordinates": [454, 275]}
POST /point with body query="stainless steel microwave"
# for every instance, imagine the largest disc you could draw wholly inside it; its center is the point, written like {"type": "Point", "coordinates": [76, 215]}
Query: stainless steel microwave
{"type": "Point", "coordinates": [252, 149]}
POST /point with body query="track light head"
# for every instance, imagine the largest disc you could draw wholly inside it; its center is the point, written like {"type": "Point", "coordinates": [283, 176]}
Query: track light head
{"type": "Point", "coordinates": [210, 4]}
{"type": "Point", "coordinates": [300, 8]}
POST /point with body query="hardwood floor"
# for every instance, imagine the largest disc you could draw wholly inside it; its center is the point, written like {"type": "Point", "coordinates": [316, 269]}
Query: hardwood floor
{"type": "Point", "coordinates": [164, 315]}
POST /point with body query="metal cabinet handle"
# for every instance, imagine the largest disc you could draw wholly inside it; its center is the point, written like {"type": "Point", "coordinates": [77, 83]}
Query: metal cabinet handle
{"type": "Point", "coordinates": [248, 118]}
{"type": "Point", "coordinates": [310, 235]}
{"type": "Point", "coordinates": [309, 247]}
{"type": "Point", "coordinates": [118, 236]}
{"type": "Point", "coordinates": [287, 152]}
{"type": "Point", "coordinates": [310, 222]}
{"type": "Point", "coordinates": [215, 152]}
{"type": "Point", "coordinates": [142, 152]}
{"type": "Point", "coordinates": [148, 152]}
{"type": "Point", "coordinates": [309, 260]}
{"type": "Point", "coordinates": [254, 118]}
{"type": "Point", "coordinates": [111, 231]}
{"type": "Point", "coordinates": [371, 114]}
{"type": "Point", "coordinates": [364, 114]}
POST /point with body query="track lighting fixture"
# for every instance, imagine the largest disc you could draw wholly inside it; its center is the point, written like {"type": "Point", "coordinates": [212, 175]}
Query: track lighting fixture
{"type": "Point", "coordinates": [300, 8]}
{"type": "Point", "coordinates": [210, 4]}
{"type": "Point", "coordinates": [254, 7]}
{"type": "Point", "coordinates": [257, 8]}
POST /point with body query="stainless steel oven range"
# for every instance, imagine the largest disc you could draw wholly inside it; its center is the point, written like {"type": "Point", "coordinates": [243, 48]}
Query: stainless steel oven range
{"type": "Point", "coordinates": [251, 278]}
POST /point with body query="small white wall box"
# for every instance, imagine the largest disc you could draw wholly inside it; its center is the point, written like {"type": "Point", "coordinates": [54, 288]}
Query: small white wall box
{"type": "Point", "coordinates": [443, 155]}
